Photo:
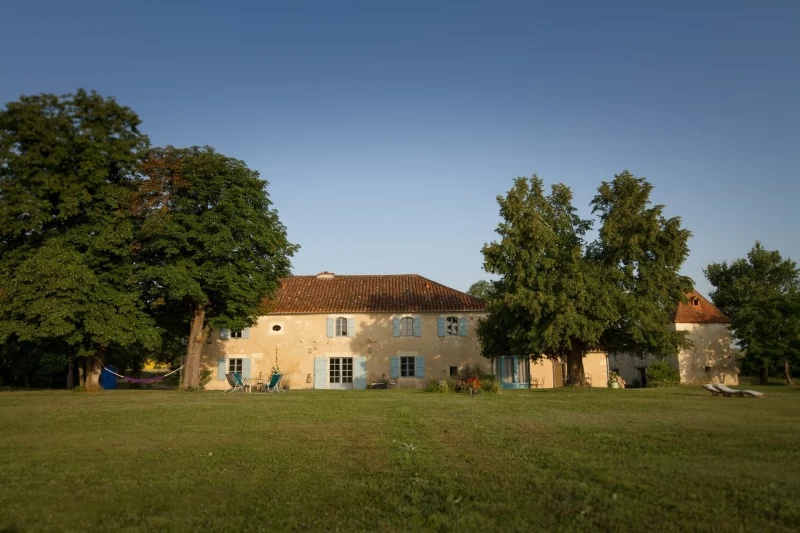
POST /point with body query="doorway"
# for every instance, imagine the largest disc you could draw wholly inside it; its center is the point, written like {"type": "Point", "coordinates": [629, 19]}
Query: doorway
{"type": "Point", "coordinates": [641, 376]}
{"type": "Point", "coordinates": [515, 371]}
{"type": "Point", "coordinates": [340, 373]}
{"type": "Point", "coordinates": [559, 371]}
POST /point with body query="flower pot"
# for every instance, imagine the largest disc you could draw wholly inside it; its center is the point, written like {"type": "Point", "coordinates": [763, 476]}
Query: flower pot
{"type": "Point", "coordinates": [613, 384]}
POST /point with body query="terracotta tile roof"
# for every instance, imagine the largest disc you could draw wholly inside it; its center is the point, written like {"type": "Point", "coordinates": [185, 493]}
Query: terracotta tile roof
{"type": "Point", "coordinates": [699, 311]}
{"type": "Point", "coordinates": [328, 293]}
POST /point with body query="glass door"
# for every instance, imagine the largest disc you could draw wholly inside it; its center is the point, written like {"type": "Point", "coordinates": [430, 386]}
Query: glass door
{"type": "Point", "coordinates": [515, 371]}
{"type": "Point", "coordinates": [340, 373]}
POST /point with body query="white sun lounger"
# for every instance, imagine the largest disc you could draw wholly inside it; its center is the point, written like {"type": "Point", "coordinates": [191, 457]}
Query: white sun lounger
{"type": "Point", "coordinates": [727, 391]}
{"type": "Point", "coordinates": [712, 389]}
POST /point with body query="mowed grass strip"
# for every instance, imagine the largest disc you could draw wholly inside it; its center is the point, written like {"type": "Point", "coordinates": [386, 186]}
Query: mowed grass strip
{"type": "Point", "coordinates": [549, 460]}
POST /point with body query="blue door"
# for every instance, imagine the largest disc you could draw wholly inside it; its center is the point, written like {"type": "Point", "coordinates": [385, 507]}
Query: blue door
{"type": "Point", "coordinates": [515, 372]}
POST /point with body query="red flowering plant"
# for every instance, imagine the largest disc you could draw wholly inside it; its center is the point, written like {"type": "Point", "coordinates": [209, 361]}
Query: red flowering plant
{"type": "Point", "coordinates": [473, 383]}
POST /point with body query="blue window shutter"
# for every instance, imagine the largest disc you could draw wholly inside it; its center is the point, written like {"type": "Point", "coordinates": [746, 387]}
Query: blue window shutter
{"type": "Point", "coordinates": [351, 327]}
{"type": "Point", "coordinates": [221, 369]}
{"type": "Point", "coordinates": [224, 333]}
{"type": "Point", "coordinates": [246, 333]}
{"type": "Point", "coordinates": [462, 326]}
{"type": "Point", "coordinates": [440, 326]}
{"type": "Point", "coordinates": [419, 367]}
{"type": "Point", "coordinates": [330, 327]}
{"type": "Point", "coordinates": [359, 373]}
{"type": "Point", "coordinates": [246, 367]}
{"type": "Point", "coordinates": [320, 372]}
{"type": "Point", "coordinates": [394, 367]}
{"type": "Point", "coordinates": [418, 327]}
{"type": "Point", "coordinates": [395, 327]}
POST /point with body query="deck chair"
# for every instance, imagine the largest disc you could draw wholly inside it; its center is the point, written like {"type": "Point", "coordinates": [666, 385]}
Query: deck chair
{"type": "Point", "coordinates": [272, 385]}
{"type": "Point", "coordinates": [727, 391]}
{"type": "Point", "coordinates": [712, 389]}
{"type": "Point", "coordinates": [238, 384]}
{"type": "Point", "coordinates": [231, 382]}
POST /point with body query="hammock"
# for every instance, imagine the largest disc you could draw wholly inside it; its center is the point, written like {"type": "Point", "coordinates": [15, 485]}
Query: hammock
{"type": "Point", "coordinates": [141, 380]}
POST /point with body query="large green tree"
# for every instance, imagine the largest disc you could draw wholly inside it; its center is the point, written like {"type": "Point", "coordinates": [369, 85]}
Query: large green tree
{"type": "Point", "coordinates": [761, 296]}
{"type": "Point", "coordinates": [66, 271]}
{"type": "Point", "coordinates": [212, 247]}
{"type": "Point", "coordinates": [480, 289]}
{"type": "Point", "coordinates": [560, 295]}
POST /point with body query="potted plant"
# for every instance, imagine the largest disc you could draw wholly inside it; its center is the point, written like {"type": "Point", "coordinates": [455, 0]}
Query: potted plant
{"type": "Point", "coordinates": [286, 382]}
{"type": "Point", "coordinates": [615, 381]}
{"type": "Point", "coordinates": [474, 385]}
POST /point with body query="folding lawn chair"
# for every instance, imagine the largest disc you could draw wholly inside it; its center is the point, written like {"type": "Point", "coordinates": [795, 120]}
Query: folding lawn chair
{"type": "Point", "coordinates": [231, 382]}
{"type": "Point", "coordinates": [712, 389]}
{"type": "Point", "coordinates": [238, 384]}
{"type": "Point", "coordinates": [272, 386]}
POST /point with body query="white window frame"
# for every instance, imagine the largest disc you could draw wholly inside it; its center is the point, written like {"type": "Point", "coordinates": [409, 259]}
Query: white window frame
{"type": "Point", "coordinates": [408, 366]}
{"type": "Point", "coordinates": [236, 333]}
{"type": "Point", "coordinates": [232, 365]}
{"type": "Point", "coordinates": [340, 370]}
{"type": "Point", "coordinates": [451, 326]}
{"type": "Point", "coordinates": [406, 320]}
{"type": "Point", "coordinates": [279, 332]}
{"type": "Point", "coordinates": [340, 326]}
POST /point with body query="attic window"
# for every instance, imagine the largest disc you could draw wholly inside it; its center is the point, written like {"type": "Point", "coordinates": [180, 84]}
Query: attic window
{"type": "Point", "coordinates": [276, 327]}
{"type": "Point", "coordinates": [696, 301]}
{"type": "Point", "coordinates": [325, 275]}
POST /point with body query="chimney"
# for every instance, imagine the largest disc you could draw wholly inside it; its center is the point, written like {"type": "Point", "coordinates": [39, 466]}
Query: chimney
{"type": "Point", "coordinates": [326, 275]}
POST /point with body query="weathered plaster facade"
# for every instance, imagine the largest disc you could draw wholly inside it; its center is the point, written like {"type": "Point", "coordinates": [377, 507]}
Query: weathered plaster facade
{"type": "Point", "coordinates": [547, 374]}
{"type": "Point", "coordinates": [303, 337]}
{"type": "Point", "coordinates": [709, 358]}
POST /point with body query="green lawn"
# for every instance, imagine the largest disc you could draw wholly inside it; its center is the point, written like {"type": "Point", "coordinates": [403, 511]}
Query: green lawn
{"type": "Point", "coordinates": [668, 460]}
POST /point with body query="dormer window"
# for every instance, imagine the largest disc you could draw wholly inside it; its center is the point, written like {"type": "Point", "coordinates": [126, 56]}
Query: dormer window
{"type": "Point", "coordinates": [696, 301]}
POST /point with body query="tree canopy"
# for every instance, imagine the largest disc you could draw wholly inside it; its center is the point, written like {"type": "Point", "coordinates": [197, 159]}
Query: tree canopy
{"type": "Point", "coordinates": [480, 289]}
{"type": "Point", "coordinates": [560, 295]}
{"type": "Point", "coordinates": [109, 249]}
{"type": "Point", "coordinates": [761, 296]}
{"type": "Point", "coordinates": [66, 271]}
{"type": "Point", "coordinates": [211, 246]}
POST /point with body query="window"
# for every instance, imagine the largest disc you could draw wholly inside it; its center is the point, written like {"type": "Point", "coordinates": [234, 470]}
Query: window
{"type": "Point", "coordinates": [453, 371]}
{"type": "Point", "coordinates": [276, 327]}
{"type": "Point", "coordinates": [235, 365]}
{"type": "Point", "coordinates": [407, 367]}
{"type": "Point", "coordinates": [236, 334]}
{"type": "Point", "coordinates": [516, 372]}
{"type": "Point", "coordinates": [341, 327]}
{"type": "Point", "coordinates": [696, 301]}
{"type": "Point", "coordinates": [451, 326]}
{"type": "Point", "coordinates": [407, 327]}
{"type": "Point", "coordinates": [341, 370]}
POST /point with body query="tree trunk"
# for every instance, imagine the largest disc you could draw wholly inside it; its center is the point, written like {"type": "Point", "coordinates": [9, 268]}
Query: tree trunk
{"type": "Point", "coordinates": [786, 373]}
{"type": "Point", "coordinates": [575, 363]}
{"type": "Point", "coordinates": [764, 373]}
{"type": "Point", "coordinates": [82, 372]}
{"type": "Point", "coordinates": [191, 372]}
{"type": "Point", "coordinates": [70, 370]}
{"type": "Point", "coordinates": [93, 366]}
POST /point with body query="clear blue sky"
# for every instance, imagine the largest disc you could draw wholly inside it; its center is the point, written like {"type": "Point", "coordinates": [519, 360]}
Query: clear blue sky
{"type": "Point", "coordinates": [387, 129]}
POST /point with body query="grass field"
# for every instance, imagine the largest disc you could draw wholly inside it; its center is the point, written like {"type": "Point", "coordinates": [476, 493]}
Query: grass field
{"type": "Point", "coordinates": [549, 460]}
